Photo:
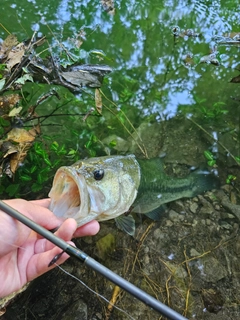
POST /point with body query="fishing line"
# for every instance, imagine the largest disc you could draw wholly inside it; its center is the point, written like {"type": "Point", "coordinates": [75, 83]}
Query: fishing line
{"type": "Point", "coordinates": [93, 264]}
{"type": "Point", "coordinates": [94, 292]}
{"type": "Point", "coordinates": [12, 245]}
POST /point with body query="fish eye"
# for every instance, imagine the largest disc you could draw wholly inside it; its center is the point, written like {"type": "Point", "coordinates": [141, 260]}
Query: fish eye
{"type": "Point", "coordinates": [98, 174]}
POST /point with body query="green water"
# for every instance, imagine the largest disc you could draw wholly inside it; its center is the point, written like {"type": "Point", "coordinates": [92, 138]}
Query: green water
{"type": "Point", "coordinates": [148, 64]}
{"type": "Point", "coordinates": [155, 75]}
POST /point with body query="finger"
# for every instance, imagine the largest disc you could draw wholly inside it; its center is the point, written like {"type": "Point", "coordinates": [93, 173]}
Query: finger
{"type": "Point", "coordinates": [38, 264]}
{"type": "Point", "coordinates": [42, 202]}
{"type": "Point", "coordinates": [39, 214]}
{"type": "Point", "coordinates": [65, 232]}
{"type": "Point", "coordinates": [89, 229]}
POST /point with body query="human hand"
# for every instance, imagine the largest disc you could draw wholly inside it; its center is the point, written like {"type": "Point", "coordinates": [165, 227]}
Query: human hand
{"type": "Point", "coordinates": [25, 255]}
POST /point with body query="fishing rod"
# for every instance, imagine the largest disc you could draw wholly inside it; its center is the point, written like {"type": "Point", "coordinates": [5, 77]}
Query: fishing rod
{"type": "Point", "coordinates": [96, 266]}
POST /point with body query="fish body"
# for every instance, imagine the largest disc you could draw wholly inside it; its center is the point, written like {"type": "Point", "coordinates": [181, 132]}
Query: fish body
{"type": "Point", "coordinates": [107, 187]}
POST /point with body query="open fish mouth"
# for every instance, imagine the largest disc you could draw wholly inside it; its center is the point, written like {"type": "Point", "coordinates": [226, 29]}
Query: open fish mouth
{"type": "Point", "coordinates": [69, 196]}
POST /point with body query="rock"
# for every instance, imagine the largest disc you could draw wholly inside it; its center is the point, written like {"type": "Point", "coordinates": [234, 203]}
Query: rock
{"type": "Point", "coordinates": [169, 223]}
{"type": "Point", "coordinates": [207, 208]}
{"type": "Point", "coordinates": [175, 217]}
{"type": "Point", "coordinates": [237, 247]}
{"type": "Point", "coordinates": [193, 207]}
{"type": "Point", "coordinates": [233, 208]}
{"type": "Point", "coordinates": [78, 310]}
{"type": "Point", "coordinates": [194, 253]}
{"type": "Point", "coordinates": [213, 269]}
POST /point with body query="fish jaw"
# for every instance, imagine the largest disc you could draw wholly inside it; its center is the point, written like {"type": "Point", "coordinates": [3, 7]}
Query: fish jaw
{"type": "Point", "coordinates": [69, 196]}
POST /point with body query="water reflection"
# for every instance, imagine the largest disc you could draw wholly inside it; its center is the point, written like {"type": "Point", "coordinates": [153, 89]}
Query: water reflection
{"type": "Point", "coordinates": [139, 42]}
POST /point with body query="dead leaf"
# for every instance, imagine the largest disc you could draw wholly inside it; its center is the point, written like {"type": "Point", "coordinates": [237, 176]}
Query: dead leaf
{"type": "Point", "coordinates": [210, 59]}
{"type": "Point", "coordinates": [7, 45]}
{"type": "Point", "coordinates": [235, 79]}
{"type": "Point", "coordinates": [233, 35]}
{"type": "Point", "coordinates": [21, 135]}
{"type": "Point", "coordinates": [25, 140]}
{"type": "Point", "coordinates": [36, 130]}
{"type": "Point", "coordinates": [108, 6]}
{"type": "Point", "coordinates": [19, 156]}
{"type": "Point", "coordinates": [98, 101]}
{"type": "Point", "coordinates": [15, 56]}
{"type": "Point", "coordinates": [10, 41]}
{"type": "Point", "coordinates": [8, 148]}
{"type": "Point", "coordinates": [2, 311]}
{"type": "Point", "coordinates": [14, 112]}
{"type": "Point", "coordinates": [7, 102]}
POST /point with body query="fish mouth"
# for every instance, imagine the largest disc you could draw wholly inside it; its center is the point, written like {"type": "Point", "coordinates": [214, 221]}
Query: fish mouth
{"type": "Point", "coordinates": [69, 195]}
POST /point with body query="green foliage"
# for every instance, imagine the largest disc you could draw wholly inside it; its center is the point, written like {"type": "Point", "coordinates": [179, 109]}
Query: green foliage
{"type": "Point", "coordinates": [12, 189]}
{"type": "Point", "coordinates": [4, 122]}
{"type": "Point", "coordinates": [230, 178]}
{"type": "Point", "coordinates": [214, 111]}
{"type": "Point", "coordinates": [210, 157]}
{"type": "Point", "coordinates": [237, 159]}
{"type": "Point", "coordinates": [2, 69]}
{"type": "Point", "coordinates": [90, 145]}
{"type": "Point", "coordinates": [205, 110]}
{"type": "Point", "coordinates": [38, 170]}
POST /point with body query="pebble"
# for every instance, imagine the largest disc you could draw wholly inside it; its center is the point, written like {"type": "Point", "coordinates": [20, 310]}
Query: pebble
{"type": "Point", "coordinates": [213, 269]}
{"type": "Point", "coordinates": [193, 207]}
{"type": "Point", "coordinates": [194, 253]}
{"type": "Point", "coordinates": [208, 222]}
{"type": "Point", "coordinates": [175, 217]}
{"type": "Point", "coordinates": [169, 223]}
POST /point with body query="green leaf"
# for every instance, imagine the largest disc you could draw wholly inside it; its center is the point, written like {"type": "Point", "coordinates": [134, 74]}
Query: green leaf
{"type": "Point", "coordinates": [56, 163]}
{"type": "Point", "coordinates": [208, 155]}
{"type": "Point", "coordinates": [23, 79]}
{"type": "Point", "coordinates": [1, 189]}
{"type": "Point", "coordinates": [211, 163]}
{"type": "Point", "coordinates": [230, 178]}
{"type": "Point", "coordinates": [237, 159]}
{"type": "Point", "coordinates": [47, 161]}
{"type": "Point", "coordinates": [2, 66]}
{"type": "Point", "coordinates": [2, 83]}
{"type": "Point", "coordinates": [4, 122]}
{"type": "Point", "coordinates": [25, 177]}
{"type": "Point", "coordinates": [113, 143]}
{"type": "Point", "coordinates": [54, 146]}
{"type": "Point", "coordinates": [46, 137]}
{"type": "Point", "coordinates": [36, 187]}
{"type": "Point", "coordinates": [12, 189]}
{"type": "Point", "coordinates": [62, 150]}
{"type": "Point", "coordinates": [33, 169]}
{"type": "Point", "coordinates": [40, 179]}
{"type": "Point", "coordinates": [72, 152]}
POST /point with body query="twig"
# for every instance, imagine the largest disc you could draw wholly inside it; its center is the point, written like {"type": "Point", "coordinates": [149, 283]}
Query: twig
{"type": "Point", "coordinates": [142, 148]}
{"type": "Point", "coordinates": [215, 140]}
{"type": "Point", "coordinates": [112, 302]}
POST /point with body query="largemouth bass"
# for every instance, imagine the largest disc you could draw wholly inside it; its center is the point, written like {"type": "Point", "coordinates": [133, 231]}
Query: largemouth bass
{"type": "Point", "coordinates": [107, 187]}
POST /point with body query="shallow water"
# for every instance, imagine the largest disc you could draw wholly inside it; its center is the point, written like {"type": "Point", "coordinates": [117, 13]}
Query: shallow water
{"type": "Point", "coordinates": [152, 75]}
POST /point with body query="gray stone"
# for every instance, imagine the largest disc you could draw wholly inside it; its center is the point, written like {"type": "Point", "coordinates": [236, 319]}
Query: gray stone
{"type": "Point", "coordinates": [213, 269]}
{"type": "Point", "coordinates": [77, 311]}
{"type": "Point", "coordinates": [193, 207]}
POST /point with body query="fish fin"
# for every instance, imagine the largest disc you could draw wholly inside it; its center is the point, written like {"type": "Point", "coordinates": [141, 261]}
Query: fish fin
{"type": "Point", "coordinates": [126, 223]}
{"type": "Point", "coordinates": [204, 181]}
{"type": "Point", "coordinates": [156, 214]}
